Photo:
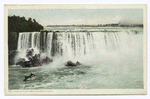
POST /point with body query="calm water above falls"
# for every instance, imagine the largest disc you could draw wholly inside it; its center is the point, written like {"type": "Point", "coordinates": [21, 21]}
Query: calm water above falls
{"type": "Point", "coordinates": [111, 57]}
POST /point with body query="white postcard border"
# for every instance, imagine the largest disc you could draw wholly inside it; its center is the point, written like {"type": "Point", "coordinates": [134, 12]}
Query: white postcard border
{"type": "Point", "coordinates": [76, 91]}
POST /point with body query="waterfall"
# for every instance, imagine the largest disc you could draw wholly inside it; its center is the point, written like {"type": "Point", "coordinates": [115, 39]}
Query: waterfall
{"type": "Point", "coordinates": [68, 43]}
{"type": "Point", "coordinates": [72, 45]}
{"type": "Point", "coordinates": [28, 40]}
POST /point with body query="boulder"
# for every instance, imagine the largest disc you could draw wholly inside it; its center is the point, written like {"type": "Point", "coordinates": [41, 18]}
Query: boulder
{"type": "Point", "coordinates": [27, 64]}
{"type": "Point", "coordinates": [70, 63]}
{"type": "Point", "coordinates": [47, 60]}
{"type": "Point", "coordinates": [33, 59]}
{"type": "Point", "coordinates": [29, 52]}
{"type": "Point", "coordinates": [78, 63]}
{"type": "Point", "coordinates": [20, 61]}
{"type": "Point", "coordinates": [36, 60]}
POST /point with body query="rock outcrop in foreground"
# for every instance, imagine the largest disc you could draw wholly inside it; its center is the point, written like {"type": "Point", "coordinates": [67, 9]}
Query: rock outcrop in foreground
{"type": "Point", "coordinates": [70, 63]}
{"type": "Point", "coordinates": [33, 60]}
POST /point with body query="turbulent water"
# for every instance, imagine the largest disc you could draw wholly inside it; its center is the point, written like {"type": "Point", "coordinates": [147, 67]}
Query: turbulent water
{"type": "Point", "coordinates": [111, 57]}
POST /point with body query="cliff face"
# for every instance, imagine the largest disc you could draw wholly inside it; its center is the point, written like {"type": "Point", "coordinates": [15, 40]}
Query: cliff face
{"type": "Point", "coordinates": [12, 40]}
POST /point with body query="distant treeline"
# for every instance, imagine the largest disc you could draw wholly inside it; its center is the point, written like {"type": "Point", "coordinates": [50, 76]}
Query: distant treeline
{"type": "Point", "coordinates": [20, 24]}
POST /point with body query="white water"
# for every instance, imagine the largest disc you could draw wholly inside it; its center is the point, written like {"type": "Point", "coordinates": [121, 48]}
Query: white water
{"type": "Point", "coordinates": [78, 45]}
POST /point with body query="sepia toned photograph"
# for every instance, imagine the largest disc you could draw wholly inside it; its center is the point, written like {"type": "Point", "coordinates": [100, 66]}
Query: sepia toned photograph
{"type": "Point", "coordinates": [75, 49]}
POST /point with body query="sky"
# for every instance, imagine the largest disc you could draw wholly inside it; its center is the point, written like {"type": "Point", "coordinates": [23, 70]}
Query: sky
{"type": "Point", "coordinates": [80, 16]}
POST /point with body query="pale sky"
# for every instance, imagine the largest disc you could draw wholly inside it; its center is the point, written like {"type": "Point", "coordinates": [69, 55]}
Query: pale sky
{"type": "Point", "coordinates": [81, 16]}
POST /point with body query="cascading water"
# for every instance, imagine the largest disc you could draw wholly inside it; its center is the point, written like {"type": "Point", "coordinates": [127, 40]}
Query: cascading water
{"type": "Point", "coordinates": [76, 45]}
{"type": "Point", "coordinates": [28, 40]}
{"type": "Point", "coordinates": [70, 45]}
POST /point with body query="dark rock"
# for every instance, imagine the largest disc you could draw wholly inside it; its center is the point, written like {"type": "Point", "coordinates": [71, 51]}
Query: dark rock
{"type": "Point", "coordinates": [27, 64]}
{"type": "Point", "coordinates": [20, 61]}
{"type": "Point", "coordinates": [47, 60]}
{"type": "Point", "coordinates": [29, 53]}
{"type": "Point", "coordinates": [78, 63]}
{"type": "Point", "coordinates": [33, 60]}
{"type": "Point", "coordinates": [30, 77]}
{"type": "Point", "coordinates": [36, 60]}
{"type": "Point", "coordinates": [70, 63]}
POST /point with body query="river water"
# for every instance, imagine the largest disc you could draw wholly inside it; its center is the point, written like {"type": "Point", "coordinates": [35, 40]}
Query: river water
{"type": "Point", "coordinates": [111, 57]}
